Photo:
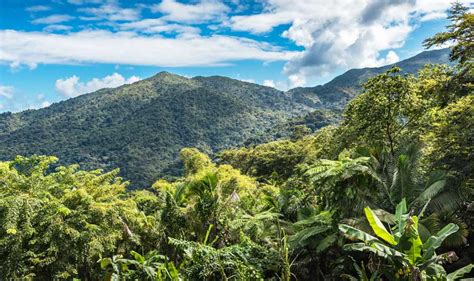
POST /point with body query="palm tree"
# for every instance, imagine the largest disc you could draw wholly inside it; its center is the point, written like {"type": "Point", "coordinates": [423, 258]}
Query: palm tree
{"type": "Point", "coordinates": [346, 184]}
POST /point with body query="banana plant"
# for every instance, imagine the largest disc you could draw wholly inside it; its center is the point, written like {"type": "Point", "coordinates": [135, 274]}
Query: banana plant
{"type": "Point", "coordinates": [151, 266]}
{"type": "Point", "coordinates": [407, 256]}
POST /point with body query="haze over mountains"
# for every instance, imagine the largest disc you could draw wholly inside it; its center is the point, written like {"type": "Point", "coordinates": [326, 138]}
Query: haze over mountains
{"type": "Point", "coordinates": [141, 127]}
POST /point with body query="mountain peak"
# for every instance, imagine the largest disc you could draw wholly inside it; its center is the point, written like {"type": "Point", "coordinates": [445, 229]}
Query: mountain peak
{"type": "Point", "coordinates": [166, 74]}
{"type": "Point", "coordinates": [165, 77]}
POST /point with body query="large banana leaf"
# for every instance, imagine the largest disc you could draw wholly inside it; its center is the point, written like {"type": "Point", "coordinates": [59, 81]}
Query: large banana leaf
{"type": "Point", "coordinates": [434, 242]}
{"type": "Point", "coordinates": [401, 216]}
{"type": "Point", "coordinates": [377, 248]}
{"type": "Point", "coordinates": [460, 272]}
{"type": "Point", "coordinates": [414, 253]}
{"type": "Point", "coordinates": [378, 227]}
{"type": "Point", "coordinates": [354, 233]}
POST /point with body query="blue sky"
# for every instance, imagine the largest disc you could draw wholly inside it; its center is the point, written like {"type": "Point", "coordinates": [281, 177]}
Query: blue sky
{"type": "Point", "coordinates": [54, 50]}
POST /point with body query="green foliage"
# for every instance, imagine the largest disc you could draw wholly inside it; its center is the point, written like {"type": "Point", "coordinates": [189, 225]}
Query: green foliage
{"type": "Point", "coordinates": [152, 266]}
{"type": "Point", "coordinates": [345, 184]}
{"type": "Point", "coordinates": [407, 256]}
{"type": "Point", "coordinates": [460, 31]}
{"type": "Point", "coordinates": [244, 261]}
{"type": "Point", "coordinates": [449, 140]}
{"type": "Point", "coordinates": [268, 211]}
{"type": "Point", "coordinates": [140, 128]}
{"type": "Point", "coordinates": [58, 223]}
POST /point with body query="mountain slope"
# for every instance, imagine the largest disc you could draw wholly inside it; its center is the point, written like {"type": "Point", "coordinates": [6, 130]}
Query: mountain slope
{"type": "Point", "coordinates": [141, 127]}
{"type": "Point", "coordinates": [340, 90]}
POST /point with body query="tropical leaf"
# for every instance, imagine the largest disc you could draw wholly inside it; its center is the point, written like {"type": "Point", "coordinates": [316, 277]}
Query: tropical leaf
{"type": "Point", "coordinates": [431, 191]}
{"type": "Point", "coordinates": [460, 272]}
{"type": "Point", "coordinates": [414, 253]}
{"type": "Point", "coordinates": [378, 227]}
{"type": "Point", "coordinates": [400, 214]}
{"type": "Point", "coordinates": [434, 242]}
{"type": "Point", "coordinates": [326, 242]}
{"type": "Point", "coordinates": [301, 237]}
{"type": "Point", "coordinates": [354, 233]}
{"type": "Point", "coordinates": [377, 248]}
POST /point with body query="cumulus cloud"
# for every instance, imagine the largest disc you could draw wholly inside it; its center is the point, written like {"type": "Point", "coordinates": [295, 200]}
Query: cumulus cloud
{"type": "Point", "coordinates": [391, 58]}
{"type": "Point", "coordinates": [202, 11]}
{"type": "Point", "coordinates": [52, 19]}
{"type": "Point", "coordinates": [42, 102]}
{"type": "Point", "coordinates": [269, 83]}
{"type": "Point", "coordinates": [6, 91]}
{"type": "Point", "coordinates": [340, 34]}
{"type": "Point", "coordinates": [45, 104]}
{"type": "Point", "coordinates": [131, 49]}
{"type": "Point", "coordinates": [72, 87]}
{"type": "Point", "coordinates": [296, 80]}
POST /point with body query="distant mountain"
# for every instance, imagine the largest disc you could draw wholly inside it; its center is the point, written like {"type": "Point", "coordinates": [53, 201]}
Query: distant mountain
{"type": "Point", "coordinates": [141, 127]}
{"type": "Point", "coordinates": [339, 91]}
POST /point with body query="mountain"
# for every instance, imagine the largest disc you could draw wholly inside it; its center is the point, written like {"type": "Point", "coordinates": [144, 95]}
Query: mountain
{"type": "Point", "coordinates": [141, 127]}
{"type": "Point", "coordinates": [339, 91]}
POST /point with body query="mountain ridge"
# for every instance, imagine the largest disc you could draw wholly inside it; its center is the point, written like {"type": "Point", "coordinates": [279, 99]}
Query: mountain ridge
{"type": "Point", "coordinates": [345, 86]}
{"type": "Point", "coordinates": [141, 127]}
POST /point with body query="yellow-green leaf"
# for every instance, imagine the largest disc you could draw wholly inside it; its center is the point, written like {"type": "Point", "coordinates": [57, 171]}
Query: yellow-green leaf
{"type": "Point", "coordinates": [378, 227]}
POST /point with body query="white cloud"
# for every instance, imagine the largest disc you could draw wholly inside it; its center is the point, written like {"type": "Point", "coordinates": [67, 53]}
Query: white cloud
{"type": "Point", "coordinates": [296, 80]}
{"type": "Point", "coordinates": [248, 80]}
{"type": "Point", "coordinates": [260, 23]}
{"type": "Point", "coordinates": [45, 104]}
{"type": "Point", "coordinates": [38, 8]}
{"type": "Point", "coordinates": [72, 87]}
{"type": "Point", "coordinates": [202, 11]}
{"type": "Point", "coordinates": [269, 83]}
{"type": "Point", "coordinates": [56, 27]}
{"type": "Point", "coordinates": [6, 91]}
{"type": "Point", "coordinates": [158, 26]}
{"type": "Point", "coordinates": [110, 11]}
{"type": "Point", "coordinates": [391, 58]}
{"type": "Point", "coordinates": [340, 34]}
{"type": "Point", "coordinates": [82, 2]}
{"type": "Point", "coordinates": [52, 19]}
{"type": "Point", "coordinates": [433, 16]}
{"type": "Point", "coordinates": [131, 49]}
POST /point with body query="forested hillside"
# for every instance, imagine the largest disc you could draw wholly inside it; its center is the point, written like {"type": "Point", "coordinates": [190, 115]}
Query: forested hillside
{"type": "Point", "coordinates": [140, 128]}
{"type": "Point", "coordinates": [339, 91]}
{"type": "Point", "coordinates": [385, 194]}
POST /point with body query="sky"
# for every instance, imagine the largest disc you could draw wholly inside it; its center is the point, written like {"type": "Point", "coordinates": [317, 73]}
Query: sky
{"type": "Point", "coordinates": [59, 49]}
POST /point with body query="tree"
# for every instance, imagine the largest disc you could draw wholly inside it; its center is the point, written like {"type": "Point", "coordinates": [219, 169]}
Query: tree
{"type": "Point", "coordinates": [345, 185]}
{"type": "Point", "coordinates": [384, 113]}
{"type": "Point", "coordinates": [449, 140]}
{"type": "Point", "coordinates": [56, 223]}
{"type": "Point", "coordinates": [460, 32]}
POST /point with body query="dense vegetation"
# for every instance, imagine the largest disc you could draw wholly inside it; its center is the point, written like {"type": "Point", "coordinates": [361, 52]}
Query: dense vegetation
{"type": "Point", "coordinates": [141, 128]}
{"type": "Point", "coordinates": [387, 194]}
